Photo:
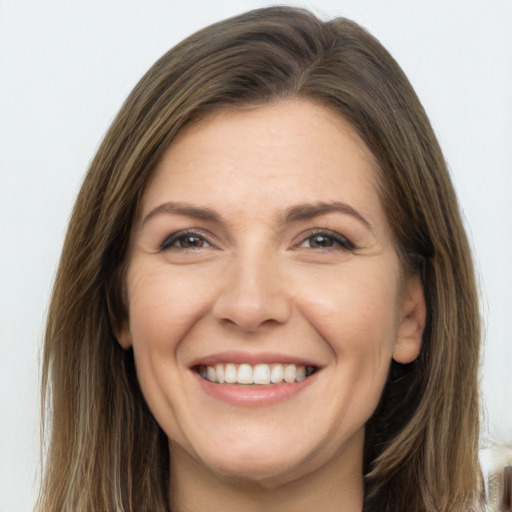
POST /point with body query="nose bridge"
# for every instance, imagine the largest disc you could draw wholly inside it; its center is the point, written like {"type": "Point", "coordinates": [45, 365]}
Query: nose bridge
{"type": "Point", "coordinates": [255, 290]}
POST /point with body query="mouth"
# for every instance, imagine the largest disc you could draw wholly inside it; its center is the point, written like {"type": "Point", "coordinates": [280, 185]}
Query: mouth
{"type": "Point", "coordinates": [255, 375]}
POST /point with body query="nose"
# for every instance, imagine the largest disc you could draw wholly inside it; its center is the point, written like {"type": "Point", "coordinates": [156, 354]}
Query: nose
{"type": "Point", "coordinates": [255, 293]}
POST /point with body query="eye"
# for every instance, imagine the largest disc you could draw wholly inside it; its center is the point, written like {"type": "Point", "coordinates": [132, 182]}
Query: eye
{"type": "Point", "coordinates": [327, 240]}
{"type": "Point", "coordinates": [185, 241]}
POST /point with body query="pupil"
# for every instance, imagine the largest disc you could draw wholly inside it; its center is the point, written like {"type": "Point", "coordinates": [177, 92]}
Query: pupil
{"type": "Point", "coordinates": [322, 241]}
{"type": "Point", "coordinates": [191, 241]}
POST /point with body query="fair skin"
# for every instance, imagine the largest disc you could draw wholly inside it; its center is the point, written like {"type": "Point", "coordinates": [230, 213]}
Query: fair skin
{"type": "Point", "coordinates": [261, 243]}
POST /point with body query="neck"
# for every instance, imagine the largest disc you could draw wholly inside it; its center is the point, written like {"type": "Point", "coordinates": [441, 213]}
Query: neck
{"type": "Point", "coordinates": [335, 487]}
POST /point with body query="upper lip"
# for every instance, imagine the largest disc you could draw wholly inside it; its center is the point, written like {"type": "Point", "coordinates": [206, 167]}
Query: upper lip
{"type": "Point", "coordinates": [252, 358]}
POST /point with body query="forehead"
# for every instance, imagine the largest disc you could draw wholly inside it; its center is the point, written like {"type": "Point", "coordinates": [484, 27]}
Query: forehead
{"type": "Point", "coordinates": [290, 148]}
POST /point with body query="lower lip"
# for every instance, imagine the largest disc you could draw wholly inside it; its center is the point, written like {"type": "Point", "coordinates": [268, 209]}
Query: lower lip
{"type": "Point", "coordinates": [253, 396]}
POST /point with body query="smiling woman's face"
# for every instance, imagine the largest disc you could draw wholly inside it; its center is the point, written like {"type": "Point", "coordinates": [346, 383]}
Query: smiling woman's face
{"type": "Point", "coordinates": [262, 253]}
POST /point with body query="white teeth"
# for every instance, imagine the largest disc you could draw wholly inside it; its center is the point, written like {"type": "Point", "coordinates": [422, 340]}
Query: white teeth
{"type": "Point", "coordinates": [289, 373]}
{"type": "Point", "coordinates": [230, 373]}
{"type": "Point", "coordinates": [219, 370]}
{"type": "Point", "coordinates": [277, 374]}
{"type": "Point", "coordinates": [244, 375]}
{"type": "Point", "coordinates": [261, 374]}
{"type": "Point", "coordinates": [210, 374]}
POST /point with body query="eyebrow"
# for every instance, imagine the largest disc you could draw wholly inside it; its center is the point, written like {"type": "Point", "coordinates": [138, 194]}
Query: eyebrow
{"type": "Point", "coordinates": [309, 211]}
{"type": "Point", "coordinates": [292, 214]}
{"type": "Point", "coordinates": [185, 210]}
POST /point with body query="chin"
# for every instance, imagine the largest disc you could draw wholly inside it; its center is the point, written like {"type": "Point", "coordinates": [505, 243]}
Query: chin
{"type": "Point", "coordinates": [265, 473]}
{"type": "Point", "coordinates": [277, 460]}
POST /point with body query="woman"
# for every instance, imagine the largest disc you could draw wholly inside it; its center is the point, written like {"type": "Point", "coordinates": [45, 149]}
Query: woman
{"type": "Point", "coordinates": [266, 298]}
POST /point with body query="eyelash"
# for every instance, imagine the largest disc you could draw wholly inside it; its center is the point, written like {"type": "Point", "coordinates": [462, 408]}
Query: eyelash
{"type": "Point", "coordinates": [338, 242]}
{"type": "Point", "coordinates": [172, 241]}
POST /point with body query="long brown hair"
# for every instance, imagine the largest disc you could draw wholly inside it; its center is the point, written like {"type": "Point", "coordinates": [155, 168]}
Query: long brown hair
{"type": "Point", "coordinates": [105, 450]}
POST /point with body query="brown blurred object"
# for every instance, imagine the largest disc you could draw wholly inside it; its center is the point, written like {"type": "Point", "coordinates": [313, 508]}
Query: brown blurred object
{"type": "Point", "coordinates": [505, 500]}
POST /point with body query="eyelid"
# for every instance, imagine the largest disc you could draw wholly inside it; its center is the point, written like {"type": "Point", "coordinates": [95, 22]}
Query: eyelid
{"type": "Point", "coordinates": [343, 243]}
{"type": "Point", "coordinates": [174, 237]}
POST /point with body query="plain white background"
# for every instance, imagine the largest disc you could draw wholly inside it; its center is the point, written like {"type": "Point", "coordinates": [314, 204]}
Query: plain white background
{"type": "Point", "coordinates": [65, 68]}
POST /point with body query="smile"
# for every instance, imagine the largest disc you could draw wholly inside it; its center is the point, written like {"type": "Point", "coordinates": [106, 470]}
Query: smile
{"type": "Point", "coordinates": [258, 374]}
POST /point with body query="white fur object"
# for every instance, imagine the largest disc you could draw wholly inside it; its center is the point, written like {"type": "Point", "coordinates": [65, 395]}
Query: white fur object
{"type": "Point", "coordinates": [493, 459]}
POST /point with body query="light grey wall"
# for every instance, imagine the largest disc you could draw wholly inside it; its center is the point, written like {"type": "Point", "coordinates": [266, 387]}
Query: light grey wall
{"type": "Point", "coordinates": [65, 68]}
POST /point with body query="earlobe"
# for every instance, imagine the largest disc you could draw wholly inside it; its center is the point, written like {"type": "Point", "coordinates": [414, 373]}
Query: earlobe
{"type": "Point", "coordinates": [412, 323]}
{"type": "Point", "coordinates": [124, 338]}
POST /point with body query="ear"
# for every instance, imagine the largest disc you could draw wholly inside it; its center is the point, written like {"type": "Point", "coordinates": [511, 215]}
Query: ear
{"type": "Point", "coordinates": [412, 323]}
{"type": "Point", "coordinates": [124, 337]}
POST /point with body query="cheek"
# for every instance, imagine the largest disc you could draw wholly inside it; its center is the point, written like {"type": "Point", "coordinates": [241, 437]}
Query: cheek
{"type": "Point", "coordinates": [161, 313]}
{"type": "Point", "coordinates": [356, 315]}
{"type": "Point", "coordinates": [354, 311]}
{"type": "Point", "coordinates": [162, 310]}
